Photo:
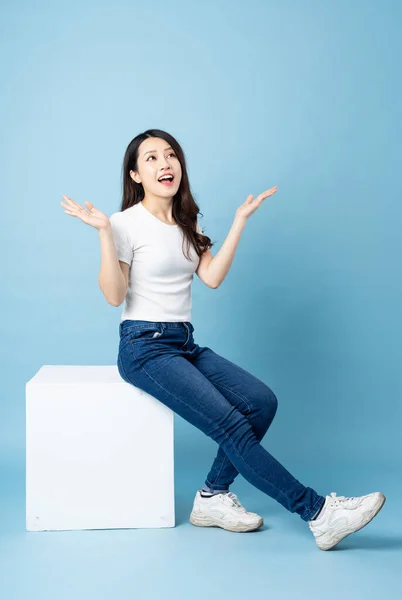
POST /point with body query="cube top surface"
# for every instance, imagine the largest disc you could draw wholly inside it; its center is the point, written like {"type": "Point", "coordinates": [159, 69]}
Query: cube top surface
{"type": "Point", "coordinates": [76, 375]}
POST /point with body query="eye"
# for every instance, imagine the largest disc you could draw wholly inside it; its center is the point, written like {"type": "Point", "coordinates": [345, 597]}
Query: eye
{"type": "Point", "coordinates": [170, 154]}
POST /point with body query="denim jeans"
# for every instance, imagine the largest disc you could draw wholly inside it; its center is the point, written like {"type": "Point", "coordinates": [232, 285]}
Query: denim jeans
{"type": "Point", "coordinates": [227, 403]}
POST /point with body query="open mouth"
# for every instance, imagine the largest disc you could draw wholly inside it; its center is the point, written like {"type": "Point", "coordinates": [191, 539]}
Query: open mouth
{"type": "Point", "coordinates": [166, 180]}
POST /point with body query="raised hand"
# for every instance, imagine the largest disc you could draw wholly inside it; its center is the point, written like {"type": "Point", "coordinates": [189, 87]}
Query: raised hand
{"type": "Point", "coordinates": [92, 216]}
{"type": "Point", "coordinates": [249, 206]}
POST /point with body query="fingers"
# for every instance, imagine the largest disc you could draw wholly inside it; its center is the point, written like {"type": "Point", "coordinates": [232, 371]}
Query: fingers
{"type": "Point", "coordinates": [80, 214]}
{"type": "Point", "coordinates": [271, 191]}
{"type": "Point", "coordinates": [72, 203]}
{"type": "Point", "coordinates": [74, 209]}
{"type": "Point", "coordinates": [261, 196]}
{"type": "Point", "coordinates": [267, 193]}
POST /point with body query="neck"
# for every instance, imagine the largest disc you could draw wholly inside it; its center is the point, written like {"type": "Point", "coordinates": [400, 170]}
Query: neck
{"type": "Point", "coordinates": [160, 207]}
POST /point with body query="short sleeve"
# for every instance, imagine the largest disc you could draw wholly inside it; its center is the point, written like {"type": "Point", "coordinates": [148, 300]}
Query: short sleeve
{"type": "Point", "coordinates": [122, 239]}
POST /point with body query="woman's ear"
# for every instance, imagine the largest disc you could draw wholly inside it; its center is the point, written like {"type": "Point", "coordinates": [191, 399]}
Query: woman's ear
{"type": "Point", "coordinates": [135, 176]}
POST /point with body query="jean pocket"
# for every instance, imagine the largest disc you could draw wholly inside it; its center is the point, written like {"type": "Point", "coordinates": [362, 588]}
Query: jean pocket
{"type": "Point", "coordinates": [145, 333]}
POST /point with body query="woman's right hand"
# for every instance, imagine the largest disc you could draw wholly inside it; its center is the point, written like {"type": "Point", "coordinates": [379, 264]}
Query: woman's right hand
{"type": "Point", "coordinates": [92, 216]}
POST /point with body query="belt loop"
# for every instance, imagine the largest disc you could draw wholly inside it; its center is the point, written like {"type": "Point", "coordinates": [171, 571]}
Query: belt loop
{"type": "Point", "coordinates": [188, 333]}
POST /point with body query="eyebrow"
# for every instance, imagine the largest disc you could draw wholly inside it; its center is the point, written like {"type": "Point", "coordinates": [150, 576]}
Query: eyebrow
{"type": "Point", "coordinates": [168, 148]}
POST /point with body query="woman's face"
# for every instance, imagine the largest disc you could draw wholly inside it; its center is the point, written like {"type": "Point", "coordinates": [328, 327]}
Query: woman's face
{"type": "Point", "coordinates": [156, 159]}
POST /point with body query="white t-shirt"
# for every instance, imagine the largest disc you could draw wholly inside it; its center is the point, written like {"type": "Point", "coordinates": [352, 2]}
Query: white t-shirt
{"type": "Point", "coordinates": [160, 276]}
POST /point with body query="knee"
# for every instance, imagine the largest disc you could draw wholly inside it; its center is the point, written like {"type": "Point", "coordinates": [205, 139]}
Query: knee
{"type": "Point", "coordinates": [272, 402]}
{"type": "Point", "coordinates": [268, 405]}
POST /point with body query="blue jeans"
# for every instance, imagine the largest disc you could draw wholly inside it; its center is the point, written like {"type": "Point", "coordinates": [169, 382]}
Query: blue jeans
{"type": "Point", "coordinates": [227, 403]}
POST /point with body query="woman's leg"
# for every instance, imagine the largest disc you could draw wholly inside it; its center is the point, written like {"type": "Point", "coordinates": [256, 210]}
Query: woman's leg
{"type": "Point", "coordinates": [162, 367]}
{"type": "Point", "coordinates": [248, 394]}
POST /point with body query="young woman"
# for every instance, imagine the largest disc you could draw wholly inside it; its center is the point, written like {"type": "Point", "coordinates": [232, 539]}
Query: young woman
{"type": "Point", "coordinates": [144, 262]}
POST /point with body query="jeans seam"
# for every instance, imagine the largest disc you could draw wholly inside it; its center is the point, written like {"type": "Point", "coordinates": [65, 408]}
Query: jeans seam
{"type": "Point", "coordinates": [122, 368]}
{"type": "Point", "coordinates": [249, 410]}
{"type": "Point", "coordinates": [314, 510]}
{"type": "Point", "coordinates": [235, 393]}
{"type": "Point", "coordinates": [164, 389]}
{"type": "Point", "coordinates": [222, 465]}
{"type": "Point", "coordinates": [188, 335]}
{"type": "Point", "coordinates": [211, 422]}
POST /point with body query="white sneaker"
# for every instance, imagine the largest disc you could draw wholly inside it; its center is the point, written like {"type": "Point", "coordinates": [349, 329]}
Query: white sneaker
{"type": "Point", "coordinates": [223, 510]}
{"type": "Point", "coordinates": [342, 516]}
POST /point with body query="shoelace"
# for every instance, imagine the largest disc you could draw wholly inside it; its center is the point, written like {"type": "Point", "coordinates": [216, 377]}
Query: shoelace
{"type": "Point", "coordinates": [234, 501]}
{"type": "Point", "coordinates": [343, 500]}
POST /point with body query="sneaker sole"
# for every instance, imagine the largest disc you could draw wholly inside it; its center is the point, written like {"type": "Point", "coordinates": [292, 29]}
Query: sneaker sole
{"type": "Point", "coordinates": [335, 539]}
{"type": "Point", "coordinates": [204, 521]}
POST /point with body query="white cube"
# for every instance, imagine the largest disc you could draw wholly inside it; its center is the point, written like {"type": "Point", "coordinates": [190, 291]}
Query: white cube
{"type": "Point", "coordinates": [99, 452]}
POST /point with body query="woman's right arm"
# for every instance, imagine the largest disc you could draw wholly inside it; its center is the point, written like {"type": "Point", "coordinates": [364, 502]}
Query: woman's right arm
{"type": "Point", "coordinates": [113, 274]}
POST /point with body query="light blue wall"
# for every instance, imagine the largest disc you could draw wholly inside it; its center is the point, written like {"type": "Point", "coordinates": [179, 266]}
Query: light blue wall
{"type": "Point", "coordinates": [302, 95]}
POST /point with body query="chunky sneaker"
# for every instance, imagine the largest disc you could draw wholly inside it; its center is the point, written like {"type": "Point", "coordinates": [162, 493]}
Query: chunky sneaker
{"type": "Point", "coordinates": [223, 510]}
{"type": "Point", "coordinates": [342, 516]}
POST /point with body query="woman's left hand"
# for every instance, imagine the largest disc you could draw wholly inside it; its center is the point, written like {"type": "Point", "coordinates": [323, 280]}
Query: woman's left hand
{"type": "Point", "coordinates": [250, 206]}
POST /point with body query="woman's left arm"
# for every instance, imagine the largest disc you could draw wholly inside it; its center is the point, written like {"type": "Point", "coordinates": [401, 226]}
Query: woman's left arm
{"type": "Point", "coordinates": [213, 269]}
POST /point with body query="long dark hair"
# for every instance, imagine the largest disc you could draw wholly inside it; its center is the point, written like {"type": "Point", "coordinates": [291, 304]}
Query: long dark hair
{"type": "Point", "coordinates": [185, 209]}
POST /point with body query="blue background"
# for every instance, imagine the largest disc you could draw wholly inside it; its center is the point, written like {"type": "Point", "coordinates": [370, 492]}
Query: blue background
{"type": "Point", "coordinates": [302, 95]}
